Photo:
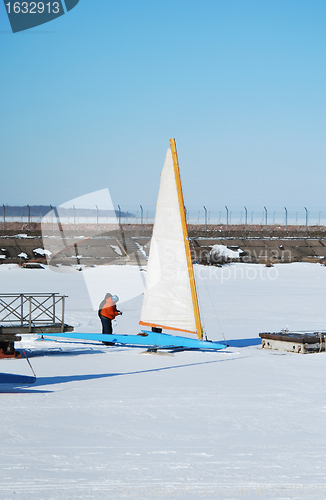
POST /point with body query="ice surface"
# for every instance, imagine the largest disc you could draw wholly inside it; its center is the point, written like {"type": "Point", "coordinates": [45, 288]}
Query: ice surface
{"type": "Point", "coordinates": [111, 422]}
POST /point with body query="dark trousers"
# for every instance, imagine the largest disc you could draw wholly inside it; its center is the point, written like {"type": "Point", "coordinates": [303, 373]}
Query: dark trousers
{"type": "Point", "coordinates": [106, 325]}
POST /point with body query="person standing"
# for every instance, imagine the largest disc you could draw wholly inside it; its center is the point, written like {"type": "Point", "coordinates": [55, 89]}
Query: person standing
{"type": "Point", "coordinates": [107, 312]}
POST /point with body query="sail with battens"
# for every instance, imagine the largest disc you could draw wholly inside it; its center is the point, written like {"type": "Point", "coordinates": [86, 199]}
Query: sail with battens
{"type": "Point", "coordinates": [170, 297]}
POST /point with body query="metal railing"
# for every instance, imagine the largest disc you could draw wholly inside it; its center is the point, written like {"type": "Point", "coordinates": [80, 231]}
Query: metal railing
{"type": "Point", "coordinates": [33, 309]}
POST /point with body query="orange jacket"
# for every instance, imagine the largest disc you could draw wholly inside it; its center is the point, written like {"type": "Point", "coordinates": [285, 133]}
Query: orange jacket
{"type": "Point", "coordinates": [109, 310]}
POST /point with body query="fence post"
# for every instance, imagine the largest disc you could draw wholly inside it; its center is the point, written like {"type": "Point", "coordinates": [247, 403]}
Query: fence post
{"type": "Point", "coordinates": [286, 219]}
{"type": "Point", "coordinates": [29, 217]}
{"type": "Point", "coordinates": [141, 215]}
{"type": "Point", "coordinates": [227, 218]}
{"type": "Point", "coordinates": [306, 219]}
{"type": "Point", "coordinates": [205, 218]}
{"type": "Point", "coordinates": [246, 218]}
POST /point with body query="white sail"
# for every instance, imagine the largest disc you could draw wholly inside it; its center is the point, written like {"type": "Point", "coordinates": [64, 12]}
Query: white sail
{"type": "Point", "coordinates": [168, 298]}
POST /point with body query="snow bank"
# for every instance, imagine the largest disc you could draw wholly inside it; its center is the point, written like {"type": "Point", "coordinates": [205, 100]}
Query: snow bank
{"type": "Point", "coordinates": [41, 251]}
{"type": "Point", "coordinates": [221, 254]}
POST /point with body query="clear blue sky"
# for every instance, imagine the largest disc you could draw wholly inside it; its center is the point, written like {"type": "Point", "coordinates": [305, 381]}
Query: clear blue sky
{"type": "Point", "coordinates": [91, 100]}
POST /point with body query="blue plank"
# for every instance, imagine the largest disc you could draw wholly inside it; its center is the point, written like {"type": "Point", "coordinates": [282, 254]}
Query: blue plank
{"type": "Point", "coordinates": [152, 339]}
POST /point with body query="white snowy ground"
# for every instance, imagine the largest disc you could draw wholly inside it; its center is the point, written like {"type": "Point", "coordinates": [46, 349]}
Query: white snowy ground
{"type": "Point", "coordinates": [111, 422]}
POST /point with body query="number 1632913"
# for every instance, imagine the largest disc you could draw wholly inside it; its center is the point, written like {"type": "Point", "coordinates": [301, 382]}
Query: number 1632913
{"type": "Point", "coordinates": [33, 7]}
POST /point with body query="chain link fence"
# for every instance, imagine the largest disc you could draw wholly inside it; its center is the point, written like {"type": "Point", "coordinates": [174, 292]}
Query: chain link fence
{"type": "Point", "coordinates": [125, 214]}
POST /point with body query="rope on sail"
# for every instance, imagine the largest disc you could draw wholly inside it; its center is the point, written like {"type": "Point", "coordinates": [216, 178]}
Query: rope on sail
{"type": "Point", "coordinates": [216, 315]}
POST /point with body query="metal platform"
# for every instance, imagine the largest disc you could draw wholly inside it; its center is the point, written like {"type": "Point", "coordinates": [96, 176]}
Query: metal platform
{"type": "Point", "coordinates": [6, 331]}
{"type": "Point", "coordinates": [23, 314]}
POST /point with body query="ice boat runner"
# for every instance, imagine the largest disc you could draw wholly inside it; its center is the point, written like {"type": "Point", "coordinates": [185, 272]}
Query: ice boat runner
{"type": "Point", "coordinates": [170, 296]}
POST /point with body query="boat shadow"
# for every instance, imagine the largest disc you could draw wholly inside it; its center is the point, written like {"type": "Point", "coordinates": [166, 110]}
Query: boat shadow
{"type": "Point", "coordinates": [60, 352]}
{"type": "Point", "coordinates": [45, 381]}
{"type": "Point", "coordinates": [13, 383]}
{"type": "Point", "coordinates": [243, 342]}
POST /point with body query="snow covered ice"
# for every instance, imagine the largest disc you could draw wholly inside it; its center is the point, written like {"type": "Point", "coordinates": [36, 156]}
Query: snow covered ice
{"type": "Point", "coordinates": [113, 422]}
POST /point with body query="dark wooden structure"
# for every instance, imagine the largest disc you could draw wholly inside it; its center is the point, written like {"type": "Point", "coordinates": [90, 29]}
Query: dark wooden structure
{"type": "Point", "coordinates": [299, 342]}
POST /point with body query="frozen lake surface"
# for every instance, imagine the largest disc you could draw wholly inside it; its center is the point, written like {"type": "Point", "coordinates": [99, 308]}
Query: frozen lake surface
{"type": "Point", "coordinates": [116, 422]}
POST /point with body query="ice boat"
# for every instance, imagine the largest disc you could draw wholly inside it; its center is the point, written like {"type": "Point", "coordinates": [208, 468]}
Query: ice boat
{"type": "Point", "coordinates": [170, 298]}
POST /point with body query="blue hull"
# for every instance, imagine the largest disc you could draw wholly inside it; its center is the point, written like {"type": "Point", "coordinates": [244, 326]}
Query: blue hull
{"type": "Point", "coordinates": [153, 339]}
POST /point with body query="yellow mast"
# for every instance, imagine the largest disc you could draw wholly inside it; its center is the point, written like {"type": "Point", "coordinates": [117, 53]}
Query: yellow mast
{"type": "Point", "coordinates": [186, 239]}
